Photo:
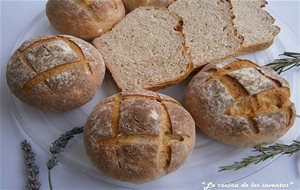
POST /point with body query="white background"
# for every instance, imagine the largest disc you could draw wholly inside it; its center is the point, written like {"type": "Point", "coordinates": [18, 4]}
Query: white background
{"type": "Point", "coordinates": [15, 17]}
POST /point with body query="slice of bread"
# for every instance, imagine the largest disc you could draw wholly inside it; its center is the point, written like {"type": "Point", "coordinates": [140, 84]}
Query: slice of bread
{"type": "Point", "coordinates": [146, 50]}
{"type": "Point", "coordinates": [208, 29]}
{"type": "Point", "coordinates": [254, 24]}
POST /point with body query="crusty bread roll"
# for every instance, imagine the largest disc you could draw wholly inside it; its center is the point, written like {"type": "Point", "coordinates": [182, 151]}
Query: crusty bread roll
{"type": "Point", "coordinates": [133, 4]}
{"type": "Point", "coordinates": [55, 73]}
{"type": "Point", "coordinates": [86, 19]}
{"type": "Point", "coordinates": [240, 103]}
{"type": "Point", "coordinates": [138, 136]}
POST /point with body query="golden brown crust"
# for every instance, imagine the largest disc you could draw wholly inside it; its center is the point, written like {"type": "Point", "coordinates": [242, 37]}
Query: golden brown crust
{"type": "Point", "coordinates": [240, 103]}
{"type": "Point", "coordinates": [55, 73]}
{"type": "Point", "coordinates": [83, 18]}
{"type": "Point", "coordinates": [140, 139]}
{"type": "Point", "coordinates": [133, 4]}
{"type": "Point", "coordinates": [251, 49]}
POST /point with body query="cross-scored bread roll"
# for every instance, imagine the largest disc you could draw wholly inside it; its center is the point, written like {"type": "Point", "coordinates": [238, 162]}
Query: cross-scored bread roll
{"type": "Point", "coordinates": [138, 136]}
{"type": "Point", "coordinates": [86, 19]}
{"type": "Point", "coordinates": [55, 73]}
{"type": "Point", "coordinates": [133, 4]}
{"type": "Point", "coordinates": [240, 103]}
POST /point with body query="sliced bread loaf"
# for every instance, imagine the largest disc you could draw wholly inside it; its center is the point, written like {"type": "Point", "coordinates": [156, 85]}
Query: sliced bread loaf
{"type": "Point", "coordinates": [208, 29]}
{"type": "Point", "coordinates": [254, 24]}
{"type": "Point", "coordinates": [146, 50]}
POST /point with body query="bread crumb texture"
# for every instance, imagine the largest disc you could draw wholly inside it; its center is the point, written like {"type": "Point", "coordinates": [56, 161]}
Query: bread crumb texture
{"type": "Point", "coordinates": [255, 24]}
{"type": "Point", "coordinates": [138, 136]}
{"type": "Point", "coordinates": [240, 103]}
{"type": "Point", "coordinates": [146, 50]}
{"type": "Point", "coordinates": [55, 73]}
{"type": "Point", "coordinates": [208, 29]}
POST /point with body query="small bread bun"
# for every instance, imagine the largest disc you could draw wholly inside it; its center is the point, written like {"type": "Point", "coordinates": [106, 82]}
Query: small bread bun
{"type": "Point", "coordinates": [55, 73]}
{"type": "Point", "coordinates": [85, 19]}
{"type": "Point", "coordinates": [133, 4]}
{"type": "Point", "coordinates": [138, 136]}
{"type": "Point", "coordinates": [240, 103]}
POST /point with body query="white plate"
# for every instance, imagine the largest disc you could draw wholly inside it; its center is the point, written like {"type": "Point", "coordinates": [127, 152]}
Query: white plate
{"type": "Point", "coordinates": [208, 155]}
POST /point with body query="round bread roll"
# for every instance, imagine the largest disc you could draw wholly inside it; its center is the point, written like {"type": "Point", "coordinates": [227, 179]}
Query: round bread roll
{"type": "Point", "coordinates": [55, 73]}
{"type": "Point", "coordinates": [240, 103]}
{"type": "Point", "coordinates": [133, 4]}
{"type": "Point", "coordinates": [138, 136]}
{"type": "Point", "coordinates": [86, 19]}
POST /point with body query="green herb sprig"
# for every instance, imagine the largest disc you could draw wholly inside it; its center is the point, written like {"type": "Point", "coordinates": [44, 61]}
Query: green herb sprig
{"type": "Point", "coordinates": [291, 60]}
{"type": "Point", "coordinates": [57, 147]}
{"type": "Point", "coordinates": [32, 170]}
{"type": "Point", "coordinates": [265, 153]}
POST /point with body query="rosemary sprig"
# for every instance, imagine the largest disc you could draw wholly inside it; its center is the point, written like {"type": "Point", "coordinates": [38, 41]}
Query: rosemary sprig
{"type": "Point", "coordinates": [265, 153]}
{"type": "Point", "coordinates": [281, 65]}
{"type": "Point", "coordinates": [32, 170]}
{"type": "Point", "coordinates": [57, 147]}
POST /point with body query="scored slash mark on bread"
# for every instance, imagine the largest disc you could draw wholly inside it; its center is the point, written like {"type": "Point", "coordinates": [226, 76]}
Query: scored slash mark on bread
{"type": "Point", "coordinates": [55, 73]}
{"type": "Point", "coordinates": [42, 76]}
{"type": "Point", "coordinates": [247, 108]}
{"type": "Point", "coordinates": [136, 136]}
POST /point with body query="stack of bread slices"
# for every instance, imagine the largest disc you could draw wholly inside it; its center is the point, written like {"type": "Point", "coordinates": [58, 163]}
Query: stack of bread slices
{"type": "Point", "coordinates": [152, 48]}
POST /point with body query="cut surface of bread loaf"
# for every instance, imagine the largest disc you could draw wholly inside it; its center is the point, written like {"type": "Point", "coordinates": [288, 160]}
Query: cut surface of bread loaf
{"type": "Point", "coordinates": [146, 50]}
{"type": "Point", "coordinates": [208, 29]}
{"type": "Point", "coordinates": [254, 24]}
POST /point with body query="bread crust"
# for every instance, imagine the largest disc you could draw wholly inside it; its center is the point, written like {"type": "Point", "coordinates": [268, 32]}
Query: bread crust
{"type": "Point", "coordinates": [240, 103]}
{"type": "Point", "coordinates": [138, 136]}
{"type": "Point", "coordinates": [133, 4]}
{"type": "Point", "coordinates": [55, 73]}
{"type": "Point", "coordinates": [85, 19]}
{"type": "Point", "coordinates": [254, 48]}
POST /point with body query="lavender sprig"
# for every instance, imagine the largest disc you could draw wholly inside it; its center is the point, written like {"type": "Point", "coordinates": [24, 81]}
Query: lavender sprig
{"type": "Point", "coordinates": [32, 170]}
{"type": "Point", "coordinates": [281, 65]}
{"type": "Point", "coordinates": [265, 153]}
{"type": "Point", "coordinates": [57, 147]}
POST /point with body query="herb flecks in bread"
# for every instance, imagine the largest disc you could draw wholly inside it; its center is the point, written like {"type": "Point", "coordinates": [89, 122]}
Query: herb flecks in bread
{"type": "Point", "coordinates": [146, 50]}
{"type": "Point", "coordinates": [138, 136]}
{"type": "Point", "coordinates": [240, 103]}
{"type": "Point", "coordinates": [56, 73]}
